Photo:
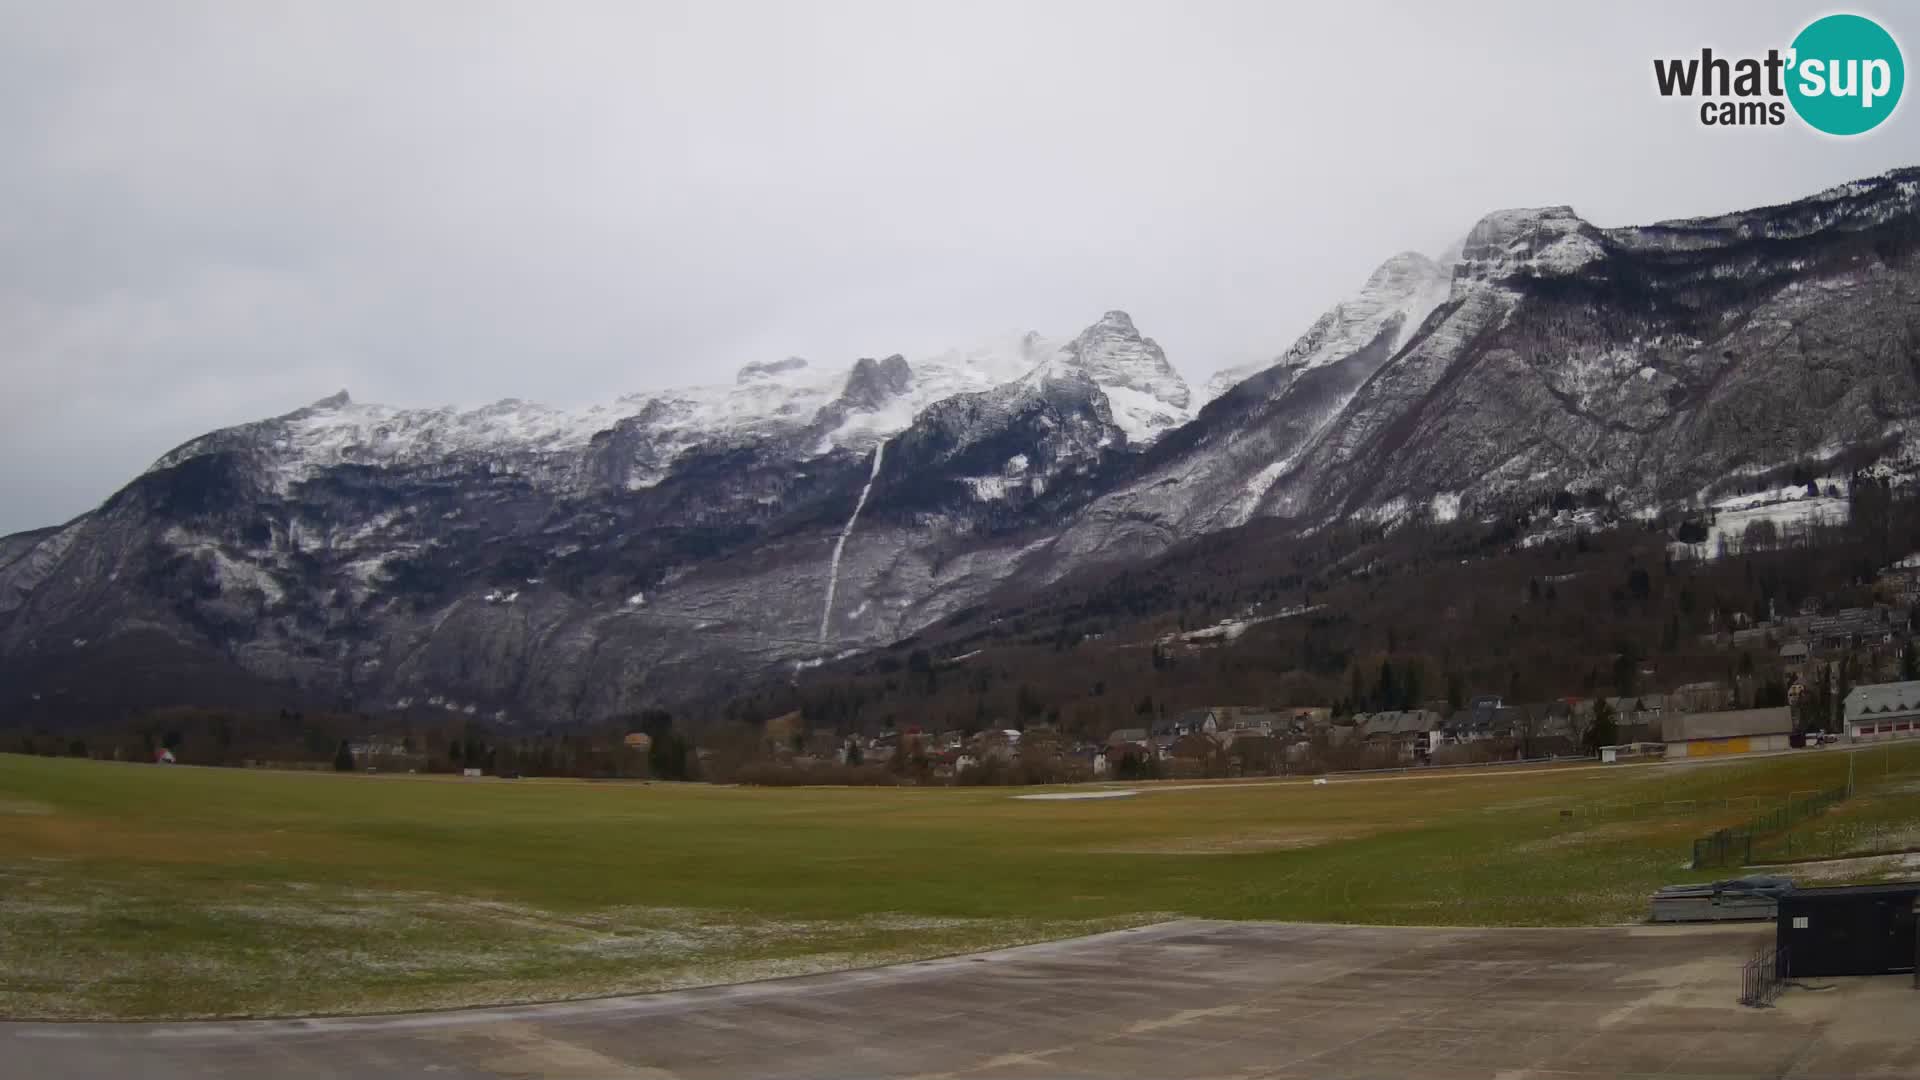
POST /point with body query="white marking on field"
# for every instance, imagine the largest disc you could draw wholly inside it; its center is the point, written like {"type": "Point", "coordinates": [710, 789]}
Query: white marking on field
{"type": "Point", "coordinates": [1059, 796]}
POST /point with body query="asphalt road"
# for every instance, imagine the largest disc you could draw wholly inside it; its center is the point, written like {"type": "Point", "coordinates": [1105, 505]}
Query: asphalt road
{"type": "Point", "coordinates": [1183, 999]}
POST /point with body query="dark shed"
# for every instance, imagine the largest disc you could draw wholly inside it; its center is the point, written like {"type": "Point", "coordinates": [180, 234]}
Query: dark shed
{"type": "Point", "coordinates": [1848, 930]}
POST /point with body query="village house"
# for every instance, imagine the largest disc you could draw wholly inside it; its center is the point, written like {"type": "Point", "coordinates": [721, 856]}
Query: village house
{"type": "Point", "coordinates": [1555, 729]}
{"type": "Point", "coordinates": [1488, 717]}
{"type": "Point", "coordinates": [1465, 726]}
{"type": "Point", "coordinates": [1195, 747]}
{"type": "Point", "coordinates": [998, 743]}
{"type": "Point", "coordinates": [1255, 721]}
{"type": "Point", "coordinates": [1413, 733]}
{"type": "Point", "coordinates": [1900, 583]}
{"type": "Point", "coordinates": [1636, 716]}
{"type": "Point", "coordinates": [1849, 627]}
{"type": "Point", "coordinates": [1255, 753]}
{"type": "Point", "coordinates": [1701, 697]}
{"type": "Point", "coordinates": [1188, 722]}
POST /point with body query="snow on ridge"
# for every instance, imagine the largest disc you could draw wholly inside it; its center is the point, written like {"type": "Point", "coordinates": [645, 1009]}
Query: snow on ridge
{"type": "Point", "coordinates": [1897, 190]}
{"type": "Point", "coordinates": [1231, 629]}
{"type": "Point", "coordinates": [989, 364]}
{"type": "Point", "coordinates": [989, 488]}
{"type": "Point", "coordinates": [765, 399]}
{"type": "Point", "coordinates": [1788, 516]}
{"type": "Point", "coordinates": [1407, 287]}
{"type": "Point", "coordinates": [1256, 488]}
{"type": "Point", "coordinates": [1143, 416]}
{"type": "Point", "coordinates": [1539, 241]}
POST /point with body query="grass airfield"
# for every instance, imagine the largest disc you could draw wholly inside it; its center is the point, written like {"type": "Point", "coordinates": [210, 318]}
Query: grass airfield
{"type": "Point", "coordinates": [135, 891]}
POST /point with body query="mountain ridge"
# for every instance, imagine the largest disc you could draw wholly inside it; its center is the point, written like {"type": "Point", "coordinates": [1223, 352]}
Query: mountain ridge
{"type": "Point", "coordinates": [528, 564]}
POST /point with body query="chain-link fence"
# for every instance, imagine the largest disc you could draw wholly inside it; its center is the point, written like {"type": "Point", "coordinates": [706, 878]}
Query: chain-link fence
{"type": "Point", "coordinates": [1666, 808]}
{"type": "Point", "coordinates": [1769, 834]}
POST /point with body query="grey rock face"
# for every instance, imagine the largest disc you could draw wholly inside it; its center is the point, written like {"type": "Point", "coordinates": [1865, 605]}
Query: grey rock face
{"type": "Point", "coordinates": [528, 565]}
{"type": "Point", "coordinates": [524, 566]}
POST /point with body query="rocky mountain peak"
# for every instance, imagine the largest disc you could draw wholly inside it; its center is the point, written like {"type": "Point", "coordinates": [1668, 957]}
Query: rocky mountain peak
{"type": "Point", "coordinates": [1112, 353]}
{"type": "Point", "coordinates": [1536, 242]}
{"type": "Point", "coordinates": [872, 382]}
{"type": "Point", "coordinates": [1146, 394]}
{"type": "Point", "coordinates": [1396, 299]}
{"type": "Point", "coordinates": [1405, 269]}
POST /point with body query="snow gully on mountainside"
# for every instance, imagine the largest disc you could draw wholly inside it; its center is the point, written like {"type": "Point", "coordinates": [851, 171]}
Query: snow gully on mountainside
{"type": "Point", "coordinates": [833, 568]}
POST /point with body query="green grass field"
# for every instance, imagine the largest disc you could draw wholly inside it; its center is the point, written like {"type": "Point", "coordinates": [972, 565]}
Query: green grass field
{"type": "Point", "coordinates": [142, 891]}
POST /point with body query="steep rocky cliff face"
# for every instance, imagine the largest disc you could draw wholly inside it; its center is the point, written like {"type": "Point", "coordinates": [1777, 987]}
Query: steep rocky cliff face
{"type": "Point", "coordinates": [524, 564]}
{"type": "Point", "coordinates": [1212, 473]}
{"type": "Point", "coordinates": [1653, 364]}
{"type": "Point", "coordinates": [1650, 363]}
{"type": "Point", "coordinates": [528, 564]}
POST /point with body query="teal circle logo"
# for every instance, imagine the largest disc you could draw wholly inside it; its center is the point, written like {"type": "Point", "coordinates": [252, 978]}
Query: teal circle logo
{"type": "Point", "coordinates": [1846, 74]}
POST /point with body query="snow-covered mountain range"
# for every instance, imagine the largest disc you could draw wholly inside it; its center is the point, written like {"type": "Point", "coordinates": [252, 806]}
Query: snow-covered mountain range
{"type": "Point", "coordinates": [810, 411]}
{"type": "Point", "coordinates": [531, 564]}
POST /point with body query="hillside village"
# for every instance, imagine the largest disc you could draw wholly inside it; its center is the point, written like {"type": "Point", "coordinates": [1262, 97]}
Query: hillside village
{"type": "Point", "coordinates": [1234, 741]}
{"type": "Point", "coordinates": [1815, 698]}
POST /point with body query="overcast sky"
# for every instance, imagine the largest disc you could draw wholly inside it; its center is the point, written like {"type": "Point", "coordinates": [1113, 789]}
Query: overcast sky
{"type": "Point", "coordinates": [211, 213]}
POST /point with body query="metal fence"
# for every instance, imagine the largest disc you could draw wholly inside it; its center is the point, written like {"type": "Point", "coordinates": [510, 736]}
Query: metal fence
{"type": "Point", "coordinates": [1735, 846]}
{"type": "Point", "coordinates": [1666, 808]}
{"type": "Point", "coordinates": [1764, 976]}
{"type": "Point", "coordinates": [1843, 840]}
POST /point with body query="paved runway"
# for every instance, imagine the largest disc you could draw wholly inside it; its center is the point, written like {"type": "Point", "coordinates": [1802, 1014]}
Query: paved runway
{"type": "Point", "coordinates": [1184, 999]}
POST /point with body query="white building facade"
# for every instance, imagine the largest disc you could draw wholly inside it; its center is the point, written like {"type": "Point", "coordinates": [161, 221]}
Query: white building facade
{"type": "Point", "coordinates": [1883, 711]}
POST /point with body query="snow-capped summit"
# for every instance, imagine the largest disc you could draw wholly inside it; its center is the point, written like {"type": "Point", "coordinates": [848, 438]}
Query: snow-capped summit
{"type": "Point", "coordinates": [873, 389]}
{"type": "Point", "coordinates": [872, 382]}
{"type": "Point", "coordinates": [1112, 353]}
{"type": "Point", "coordinates": [913, 385]}
{"type": "Point", "coordinates": [337, 430]}
{"type": "Point", "coordinates": [1146, 394]}
{"type": "Point", "coordinates": [1549, 241]}
{"type": "Point", "coordinates": [827, 409]}
{"type": "Point", "coordinates": [1397, 298]}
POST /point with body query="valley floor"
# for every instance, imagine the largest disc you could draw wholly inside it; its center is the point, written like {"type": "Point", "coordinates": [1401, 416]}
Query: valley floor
{"type": "Point", "coordinates": [135, 891]}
